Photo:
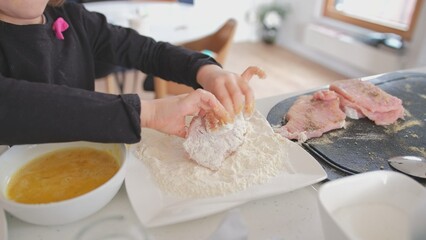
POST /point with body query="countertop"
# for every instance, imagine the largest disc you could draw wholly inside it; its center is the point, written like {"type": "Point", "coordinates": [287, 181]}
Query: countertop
{"type": "Point", "coordinates": [293, 215]}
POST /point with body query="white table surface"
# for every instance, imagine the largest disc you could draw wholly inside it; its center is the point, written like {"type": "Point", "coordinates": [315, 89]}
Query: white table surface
{"type": "Point", "coordinates": [164, 21]}
{"type": "Point", "coordinates": [293, 215]}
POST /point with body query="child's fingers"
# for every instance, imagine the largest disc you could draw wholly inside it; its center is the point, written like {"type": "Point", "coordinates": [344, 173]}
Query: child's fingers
{"type": "Point", "coordinates": [209, 103]}
{"type": "Point", "coordinates": [251, 71]}
{"type": "Point", "coordinates": [245, 88]}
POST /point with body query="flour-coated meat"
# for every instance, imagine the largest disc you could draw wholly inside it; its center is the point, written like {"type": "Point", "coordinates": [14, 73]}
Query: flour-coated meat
{"type": "Point", "coordinates": [209, 143]}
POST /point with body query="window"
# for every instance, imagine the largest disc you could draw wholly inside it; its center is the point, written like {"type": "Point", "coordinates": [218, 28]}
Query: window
{"type": "Point", "coordinates": [387, 16]}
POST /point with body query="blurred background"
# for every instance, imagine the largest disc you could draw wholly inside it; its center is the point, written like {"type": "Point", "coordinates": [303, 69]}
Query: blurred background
{"type": "Point", "coordinates": [301, 44]}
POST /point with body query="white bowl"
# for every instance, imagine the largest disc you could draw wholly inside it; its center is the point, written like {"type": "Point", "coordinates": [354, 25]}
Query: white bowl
{"type": "Point", "coordinates": [66, 211]}
{"type": "Point", "coordinates": [373, 205]}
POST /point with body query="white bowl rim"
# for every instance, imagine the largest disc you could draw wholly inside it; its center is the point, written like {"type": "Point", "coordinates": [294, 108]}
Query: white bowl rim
{"type": "Point", "coordinates": [382, 176]}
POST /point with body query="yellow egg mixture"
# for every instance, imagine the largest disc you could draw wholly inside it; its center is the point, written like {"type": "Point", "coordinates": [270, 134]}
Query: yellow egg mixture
{"type": "Point", "coordinates": [61, 175]}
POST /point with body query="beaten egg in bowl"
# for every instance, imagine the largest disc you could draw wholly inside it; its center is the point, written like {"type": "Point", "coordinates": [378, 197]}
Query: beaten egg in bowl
{"type": "Point", "coordinates": [61, 175]}
{"type": "Point", "coordinates": [58, 183]}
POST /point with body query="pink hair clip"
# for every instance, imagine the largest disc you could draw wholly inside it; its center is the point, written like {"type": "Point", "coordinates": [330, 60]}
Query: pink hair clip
{"type": "Point", "coordinates": [60, 26]}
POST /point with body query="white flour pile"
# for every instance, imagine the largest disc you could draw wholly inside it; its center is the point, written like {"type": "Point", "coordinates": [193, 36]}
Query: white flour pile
{"type": "Point", "coordinates": [262, 156]}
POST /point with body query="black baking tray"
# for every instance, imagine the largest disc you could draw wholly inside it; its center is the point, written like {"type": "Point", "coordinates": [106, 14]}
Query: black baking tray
{"type": "Point", "coordinates": [363, 146]}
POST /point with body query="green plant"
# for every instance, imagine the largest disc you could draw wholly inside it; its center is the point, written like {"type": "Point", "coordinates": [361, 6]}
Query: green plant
{"type": "Point", "coordinates": [271, 15]}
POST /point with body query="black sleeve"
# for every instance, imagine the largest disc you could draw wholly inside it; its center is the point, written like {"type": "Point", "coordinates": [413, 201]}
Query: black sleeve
{"type": "Point", "coordinates": [42, 113]}
{"type": "Point", "coordinates": [125, 47]}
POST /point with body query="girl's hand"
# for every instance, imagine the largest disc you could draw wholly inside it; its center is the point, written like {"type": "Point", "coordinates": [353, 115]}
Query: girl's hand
{"type": "Point", "coordinates": [231, 89]}
{"type": "Point", "coordinates": [167, 115]}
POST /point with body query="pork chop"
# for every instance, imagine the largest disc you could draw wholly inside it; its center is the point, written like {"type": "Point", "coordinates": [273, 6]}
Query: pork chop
{"type": "Point", "coordinates": [312, 115]}
{"type": "Point", "coordinates": [362, 98]}
{"type": "Point", "coordinates": [209, 143]}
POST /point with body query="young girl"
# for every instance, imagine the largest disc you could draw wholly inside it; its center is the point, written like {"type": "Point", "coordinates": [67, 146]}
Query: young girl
{"type": "Point", "coordinates": [50, 54]}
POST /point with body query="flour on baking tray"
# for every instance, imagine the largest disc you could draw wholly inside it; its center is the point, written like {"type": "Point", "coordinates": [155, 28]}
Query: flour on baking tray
{"type": "Point", "coordinates": [262, 156]}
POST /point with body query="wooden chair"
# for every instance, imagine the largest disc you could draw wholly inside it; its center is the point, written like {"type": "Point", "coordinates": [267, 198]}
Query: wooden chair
{"type": "Point", "coordinates": [217, 42]}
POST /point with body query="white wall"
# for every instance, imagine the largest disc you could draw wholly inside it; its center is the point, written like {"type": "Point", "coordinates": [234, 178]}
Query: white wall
{"type": "Point", "coordinates": [308, 11]}
{"type": "Point", "coordinates": [244, 11]}
{"type": "Point", "coordinates": [292, 32]}
{"type": "Point", "coordinates": [219, 11]}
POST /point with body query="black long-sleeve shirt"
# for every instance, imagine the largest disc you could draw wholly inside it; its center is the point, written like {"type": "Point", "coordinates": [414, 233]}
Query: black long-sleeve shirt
{"type": "Point", "coordinates": [46, 84]}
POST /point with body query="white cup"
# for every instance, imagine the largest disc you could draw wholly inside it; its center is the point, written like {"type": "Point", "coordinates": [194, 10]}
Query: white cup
{"type": "Point", "coordinates": [373, 205]}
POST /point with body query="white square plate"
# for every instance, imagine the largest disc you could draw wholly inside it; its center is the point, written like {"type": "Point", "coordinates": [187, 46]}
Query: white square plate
{"type": "Point", "coordinates": [155, 208]}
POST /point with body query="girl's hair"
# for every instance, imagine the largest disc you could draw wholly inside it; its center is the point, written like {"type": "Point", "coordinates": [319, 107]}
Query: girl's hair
{"type": "Point", "coordinates": [56, 3]}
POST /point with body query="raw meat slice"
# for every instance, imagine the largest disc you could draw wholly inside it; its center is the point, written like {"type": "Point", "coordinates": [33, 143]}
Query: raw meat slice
{"type": "Point", "coordinates": [361, 98]}
{"type": "Point", "coordinates": [384, 118]}
{"type": "Point", "coordinates": [351, 109]}
{"type": "Point", "coordinates": [312, 115]}
{"type": "Point", "coordinates": [209, 143]}
{"type": "Point", "coordinates": [366, 94]}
